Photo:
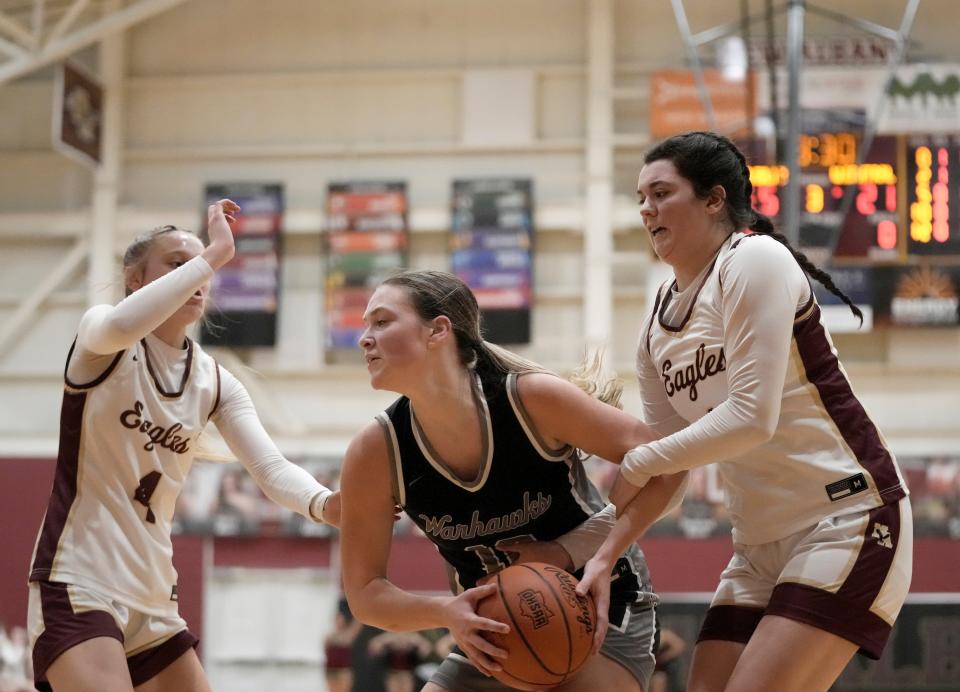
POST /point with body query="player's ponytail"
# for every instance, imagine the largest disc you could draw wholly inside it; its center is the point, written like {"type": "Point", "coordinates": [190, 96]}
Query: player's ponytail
{"type": "Point", "coordinates": [434, 293]}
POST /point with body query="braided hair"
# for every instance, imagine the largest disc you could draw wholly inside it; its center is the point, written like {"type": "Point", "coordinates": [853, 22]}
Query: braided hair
{"type": "Point", "coordinates": [708, 159]}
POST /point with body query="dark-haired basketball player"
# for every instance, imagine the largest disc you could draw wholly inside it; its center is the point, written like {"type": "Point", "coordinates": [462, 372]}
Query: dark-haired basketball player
{"type": "Point", "coordinates": [736, 367]}
{"type": "Point", "coordinates": [138, 393]}
{"type": "Point", "coordinates": [481, 452]}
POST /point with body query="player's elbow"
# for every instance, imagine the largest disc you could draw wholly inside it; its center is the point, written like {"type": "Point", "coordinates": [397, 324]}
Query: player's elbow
{"type": "Point", "coordinates": [760, 428]}
{"type": "Point", "coordinates": [362, 599]}
{"type": "Point", "coordinates": [359, 604]}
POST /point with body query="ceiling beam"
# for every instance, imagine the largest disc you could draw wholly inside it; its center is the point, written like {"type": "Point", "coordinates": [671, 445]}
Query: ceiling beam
{"type": "Point", "coordinates": [67, 20]}
{"type": "Point", "coordinates": [16, 31]}
{"type": "Point", "coordinates": [60, 48]}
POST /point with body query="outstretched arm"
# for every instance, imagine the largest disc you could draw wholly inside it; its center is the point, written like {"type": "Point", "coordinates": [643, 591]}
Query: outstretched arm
{"type": "Point", "coordinates": [281, 480]}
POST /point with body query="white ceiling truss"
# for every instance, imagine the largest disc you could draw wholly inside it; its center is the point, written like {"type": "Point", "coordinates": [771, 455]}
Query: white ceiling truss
{"type": "Point", "coordinates": [35, 33]}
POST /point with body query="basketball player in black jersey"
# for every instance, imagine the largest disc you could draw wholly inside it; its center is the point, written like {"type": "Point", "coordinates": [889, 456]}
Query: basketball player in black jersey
{"type": "Point", "coordinates": [481, 451]}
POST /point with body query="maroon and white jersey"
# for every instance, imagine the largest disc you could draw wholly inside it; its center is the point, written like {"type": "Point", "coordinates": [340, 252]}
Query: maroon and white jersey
{"type": "Point", "coordinates": [738, 369]}
{"type": "Point", "coordinates": [133, 410]}
{"type": "Point", "coordinates": [126, 446]}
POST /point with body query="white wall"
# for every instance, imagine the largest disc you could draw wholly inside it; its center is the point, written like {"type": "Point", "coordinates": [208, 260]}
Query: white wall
{"type": "Point", "coordinates": [309, 92]}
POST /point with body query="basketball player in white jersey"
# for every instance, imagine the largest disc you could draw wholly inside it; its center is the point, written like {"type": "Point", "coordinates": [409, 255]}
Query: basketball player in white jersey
{"type": "Point", "coordinates": [138, 393]}
{"type": "Point", "coordinates": [481, 452]}
{"type": "Point", "coordinates": [736, 367]}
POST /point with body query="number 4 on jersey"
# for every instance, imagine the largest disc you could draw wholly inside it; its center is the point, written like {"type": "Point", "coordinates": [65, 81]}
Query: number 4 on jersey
{"type": "Point", "coordinates": [144, 491]}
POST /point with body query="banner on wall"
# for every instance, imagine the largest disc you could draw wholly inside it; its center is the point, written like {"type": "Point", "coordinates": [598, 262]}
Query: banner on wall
{"type": "Point", "coordinates": [245, 293]}
{"type": "Point", "coordinates": [77, 114]}
{"type": "Point", "coordinates": [367, 240]}
{"type": "Point", "coordinates": [920, 98]}
{"type": "Point", "coordinates": [675, 104]}
{"type": "Point", "coordinates": [491, 246]}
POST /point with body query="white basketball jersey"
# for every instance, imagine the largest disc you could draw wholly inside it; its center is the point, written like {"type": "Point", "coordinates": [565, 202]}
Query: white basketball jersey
{"type": "Point", "coordinates": [126, 445]}
{"type": "Point", "coordinates": [826, 457]}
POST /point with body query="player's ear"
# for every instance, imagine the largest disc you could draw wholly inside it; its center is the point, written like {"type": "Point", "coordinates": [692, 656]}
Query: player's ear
{"type": "Point", "coordinates": [716, 199]}
{"type": "Point", "coordinates": [132, 278]}
{"type": "Point", "coordinates": [441, 328]}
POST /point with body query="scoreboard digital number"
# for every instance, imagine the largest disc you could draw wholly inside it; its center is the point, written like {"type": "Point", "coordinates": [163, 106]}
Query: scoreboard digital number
{"type": "Point", "coordinates": [832, 181]}
{"type": "Point", "coordinates": [933, 194]}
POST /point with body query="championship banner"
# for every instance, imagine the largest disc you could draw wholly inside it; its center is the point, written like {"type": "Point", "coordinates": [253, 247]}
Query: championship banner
{"type": "Point", "coordinates": [244, 296]}
{"type": "Point", "coordinates": [367, 240]}
{"type": "Point", "coordinates": [77, 114]}
{"type": "Point", "coordinates": [491, 251]}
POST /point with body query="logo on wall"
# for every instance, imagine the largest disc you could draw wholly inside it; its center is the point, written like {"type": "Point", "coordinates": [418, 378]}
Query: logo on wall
{"type": "Point", "coordinates": [925, 295]}
{"type": "Point", "coordinates": [923, 99]}
{"type": "Point", "coordinates": [77, 114]}
{"type": "Point", "coordinates": [926, 85]}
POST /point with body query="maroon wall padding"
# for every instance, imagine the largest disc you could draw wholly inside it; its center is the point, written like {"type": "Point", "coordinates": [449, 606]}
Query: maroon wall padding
{"type": "Point", "coordinates": [25, 486]}
{"type": "Point", "coordinates": [24, 491]}
{"type": "Point", "coordinates": [677, 565]}
{"type": "Point", "coordinates": [415, 564]}
{"type": "Point", "coordinates": [273, 552]}
{"type": "Point", "coordinates": [188, 559]}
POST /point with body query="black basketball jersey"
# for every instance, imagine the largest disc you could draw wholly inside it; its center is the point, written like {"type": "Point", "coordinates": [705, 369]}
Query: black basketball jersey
{"type": "Point", "coordinates": [523, 490]}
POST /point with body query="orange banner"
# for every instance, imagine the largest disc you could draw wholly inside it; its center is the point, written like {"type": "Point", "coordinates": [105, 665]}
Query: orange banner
{"type": "Point", "coordinates": [675, 103]}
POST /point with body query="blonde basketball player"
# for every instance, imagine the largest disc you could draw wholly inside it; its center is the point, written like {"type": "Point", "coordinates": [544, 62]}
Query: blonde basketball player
{"type": "Point", "coordinates": [480, 451]}
{"type": "Point", "coordinates": [736, 367]}
{"type": "Point", "coordinates": [138, 393]}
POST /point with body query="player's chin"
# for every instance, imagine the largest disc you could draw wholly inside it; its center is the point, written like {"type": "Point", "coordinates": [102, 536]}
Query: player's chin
{"type": "Point", "coordinates": [191, 312]}
{"type": "Point", "coordinates": [377, 381]}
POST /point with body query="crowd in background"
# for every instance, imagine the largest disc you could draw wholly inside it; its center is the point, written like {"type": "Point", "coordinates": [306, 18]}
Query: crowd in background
{"type": "Point", "coordinates": [16, 671]}
{"type": "Point", "coordinates": [222, 500]}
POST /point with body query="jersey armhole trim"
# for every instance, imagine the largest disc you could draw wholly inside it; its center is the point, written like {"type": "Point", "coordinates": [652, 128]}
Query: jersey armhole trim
{"type": "Point", "coordinates": [98, 380]}
{"type": "Point", "coordinates": [393, 453]}
{"type": "Point", "coordinates": [216, 400]}
{"type": "Point", "coordinates": [543, 449]}
{"type": "Point", "coordinates": [653, 316]}
{"type": "Point", "coordinates": [806, 311]}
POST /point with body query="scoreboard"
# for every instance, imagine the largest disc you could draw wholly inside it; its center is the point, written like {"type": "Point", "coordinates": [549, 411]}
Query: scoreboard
{"type": "Point", "coordinates": [933, 194]}
{"type": "Point", "coordinates": [902, 200]}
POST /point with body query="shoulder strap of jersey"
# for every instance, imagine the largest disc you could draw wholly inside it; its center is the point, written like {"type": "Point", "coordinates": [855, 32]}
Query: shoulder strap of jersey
{"type": "Point", "coordinates": [99, 379]}
{"type": "Point", "coordinates": [653, 313]}
{"type": "Point", "coordinates": [393, 454]}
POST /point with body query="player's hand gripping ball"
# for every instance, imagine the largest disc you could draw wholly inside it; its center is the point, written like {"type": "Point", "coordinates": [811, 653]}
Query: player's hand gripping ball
{"type": "Point", "coordinates": [551, 627]}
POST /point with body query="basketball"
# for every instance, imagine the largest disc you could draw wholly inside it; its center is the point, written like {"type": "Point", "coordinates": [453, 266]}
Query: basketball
{"type": "Point", "coordinates": [551, 627]}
